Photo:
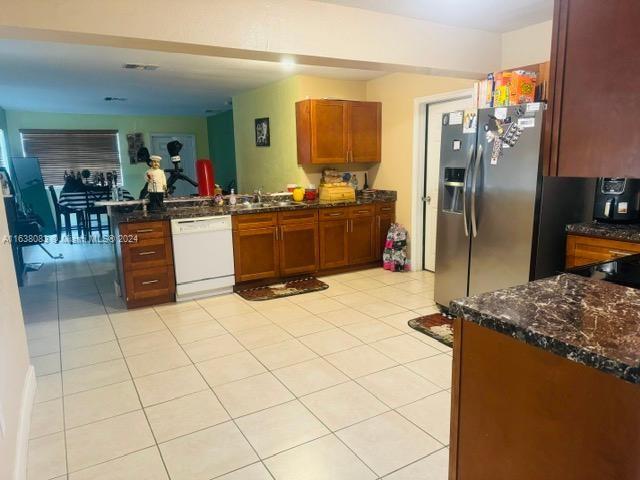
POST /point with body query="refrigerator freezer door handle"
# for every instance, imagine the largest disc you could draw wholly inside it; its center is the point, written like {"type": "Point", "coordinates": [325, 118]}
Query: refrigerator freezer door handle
{"type": "Point", "coordinates": [474, 181]}
{"type": "Point", "coordinates": [464, 193]}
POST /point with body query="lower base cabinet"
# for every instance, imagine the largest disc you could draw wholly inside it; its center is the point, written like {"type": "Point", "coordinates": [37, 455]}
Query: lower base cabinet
{"type": "Point", "coordinates": [333, 236]}
{"type": "Point", "coordinates": [298, 242]}
{"type": "Point", "coordinates": [256, 253]}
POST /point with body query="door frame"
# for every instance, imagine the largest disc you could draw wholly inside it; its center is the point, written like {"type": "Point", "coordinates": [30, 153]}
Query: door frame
{"type": "Point", "coordinates": [420, 109]}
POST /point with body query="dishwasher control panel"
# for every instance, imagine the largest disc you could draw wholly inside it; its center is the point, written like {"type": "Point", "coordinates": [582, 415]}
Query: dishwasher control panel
{"type": "Point", "coordinates": [200, 224]}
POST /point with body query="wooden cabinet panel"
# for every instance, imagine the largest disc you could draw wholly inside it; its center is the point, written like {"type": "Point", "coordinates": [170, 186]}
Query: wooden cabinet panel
{"type": "Point", "coordinates": [583, 250]}
{"type": "Point", "coordinates": [256, 253]}
{"type": "Point", "coordinates": [306, 215]}
{"type": "Point", "coordinates": [329, 132]}
{"type": "Point", "coordinates": [334, 240]}
{"type": "Point", "coordinates": [363, 240]}
{"type": "Point", "coordinates": [333, 213]}
{"type": "Point", "coordinates": [150, 285]}
{"type": "Point", "coordinates": [254, 220]}
{"type": "Point", "coordinates": [365, 124]}
{"type": "Point", "coordinates": [338, 131]}
{"type": "Point", "coordinates": [146, 230]}
{"type": "Point", "coordinates": [594, 72]}
{"type": "Point", "coordinates": [298, 248]}
{"type": "Point", "coordinates": [153, 252]}
{"type": "Point", "coordinates": [362, 211]}
{"type": "Point", "coordinates": [384, 221]}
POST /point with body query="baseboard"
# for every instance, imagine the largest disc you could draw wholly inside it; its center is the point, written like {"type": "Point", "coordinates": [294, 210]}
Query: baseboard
{"type": "Point", "coordinates": [24, 425]}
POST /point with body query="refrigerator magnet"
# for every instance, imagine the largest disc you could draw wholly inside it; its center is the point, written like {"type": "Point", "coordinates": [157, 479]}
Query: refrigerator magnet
{"type": "Point", "coordinates": [455, 118]}
{"type": "Point", "coordinates": [527, 122]}
{"type": "Point", "coordinates": [501, 113]}
{"type": "Point", "coordinates": [470, 122]}
{"type": "Point", "coordinates": [456, 145]}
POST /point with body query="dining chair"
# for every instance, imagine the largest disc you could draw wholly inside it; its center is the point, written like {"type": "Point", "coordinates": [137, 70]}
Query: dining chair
{"type": "Point", "coordinates": [90, 211]}
{"type": "Point", "coordinates": [62, 212]}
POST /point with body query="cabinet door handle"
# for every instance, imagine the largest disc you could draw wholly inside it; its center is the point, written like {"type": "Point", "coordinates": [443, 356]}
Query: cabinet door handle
{"type": "Point", "coordinates": [276, 232]}
{"type": "Point", "coordinates": [150, 282]}
{"type": "Point", "coordinates": [150, 252]}
{"type": "Point", "coordinates": [145, 230]}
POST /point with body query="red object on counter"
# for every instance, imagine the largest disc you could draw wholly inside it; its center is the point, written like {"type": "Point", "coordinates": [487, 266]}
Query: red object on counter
{"type": "Point", "coordinates": [205, 177]}
{"type": "Point", "coordinates": [310, 195]}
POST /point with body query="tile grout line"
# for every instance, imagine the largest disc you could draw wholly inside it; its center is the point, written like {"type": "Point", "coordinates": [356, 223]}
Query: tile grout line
{"type": "Point", "coordinates": [155, 440]}
{"type": "Point", "coordinates": [222, 405]}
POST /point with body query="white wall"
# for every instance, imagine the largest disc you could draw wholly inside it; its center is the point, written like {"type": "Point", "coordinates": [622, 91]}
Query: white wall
{"type": "Point", "coordinates": [324, 33]}
{"type": "Point", "coordinates": [527, 45]}
{"type": "Point", "coordinates": [14, 358]}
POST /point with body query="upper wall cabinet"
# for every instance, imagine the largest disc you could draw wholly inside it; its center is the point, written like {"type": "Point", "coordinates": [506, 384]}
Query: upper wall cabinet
{"type": "Point", "coordinates": [592, 126]}
{"type": "Point", "coordinates": [338, 131]}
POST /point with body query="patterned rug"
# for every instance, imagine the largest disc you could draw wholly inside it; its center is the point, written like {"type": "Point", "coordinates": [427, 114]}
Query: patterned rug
{"type": "Point", "coordinates": [294, 287]}
{"type": "Point", "coordinates": [436, 326]}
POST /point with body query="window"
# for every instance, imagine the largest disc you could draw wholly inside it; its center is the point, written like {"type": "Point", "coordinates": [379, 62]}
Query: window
{"type": "Point", "coordinates": [77, 150]}
{"type": "Point", "coordinates": [4, 154]}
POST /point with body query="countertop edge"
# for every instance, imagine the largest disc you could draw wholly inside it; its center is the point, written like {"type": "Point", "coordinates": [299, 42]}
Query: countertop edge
{"type": "Point", "coordinates": [572, 353]}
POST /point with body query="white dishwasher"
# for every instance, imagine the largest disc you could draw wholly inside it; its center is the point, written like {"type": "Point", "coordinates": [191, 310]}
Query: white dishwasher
{"type": "Point", "coordinates": [202, 256]}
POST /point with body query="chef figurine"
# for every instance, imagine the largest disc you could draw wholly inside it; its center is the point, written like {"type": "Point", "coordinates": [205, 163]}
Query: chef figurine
{"type": "Point", "coordinates": [156, 184]}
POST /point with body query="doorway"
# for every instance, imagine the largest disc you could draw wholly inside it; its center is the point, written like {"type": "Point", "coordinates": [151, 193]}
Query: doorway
{"type": "Point", "coordinates": [427, 129]}
{"type": "Point", "coordinates": [432, 175]}
{"type": "Point", "coordinates": [187, 155]}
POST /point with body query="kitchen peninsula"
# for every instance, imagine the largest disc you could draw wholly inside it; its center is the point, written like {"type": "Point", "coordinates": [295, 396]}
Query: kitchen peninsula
{"type": "Point", "coordinates": [272, 241]}
{"type": "Point", "coordinates": [546, 382]}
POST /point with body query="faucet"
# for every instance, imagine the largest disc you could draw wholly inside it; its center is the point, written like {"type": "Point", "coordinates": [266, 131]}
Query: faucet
{"type": "Point", "coordinates": [257, 195]}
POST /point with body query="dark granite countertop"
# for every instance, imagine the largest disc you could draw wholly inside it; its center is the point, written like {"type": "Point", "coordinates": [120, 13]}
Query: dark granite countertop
{"type": "Point", "coordinates": [591, 322]}
{"type": "Point", "coordinates": [614, 231]}
{"type": "Point", "coordinates": [207, 209]}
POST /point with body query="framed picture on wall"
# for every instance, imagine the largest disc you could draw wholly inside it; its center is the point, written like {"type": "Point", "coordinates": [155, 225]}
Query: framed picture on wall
{"type": "Point", "coordinates": [263, 134]}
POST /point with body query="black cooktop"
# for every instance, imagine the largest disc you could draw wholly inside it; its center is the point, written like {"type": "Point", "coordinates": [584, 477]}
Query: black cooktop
{"type": "Point", "coordinates": [622, 271]}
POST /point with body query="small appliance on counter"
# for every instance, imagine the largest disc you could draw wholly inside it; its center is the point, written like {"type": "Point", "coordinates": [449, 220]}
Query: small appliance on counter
{"type": "Point", "coordinates": [334, 187]}
{"type": "Point", "coordinates": [617, 200]}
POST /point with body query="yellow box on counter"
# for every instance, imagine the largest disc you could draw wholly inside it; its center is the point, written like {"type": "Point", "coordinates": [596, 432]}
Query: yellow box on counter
{"type": "Point", "coordinates": [331, 192]}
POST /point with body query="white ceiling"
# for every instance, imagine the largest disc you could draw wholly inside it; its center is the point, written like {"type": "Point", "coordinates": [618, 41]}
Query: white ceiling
{"type": "Point", "coordinates": [492, 15]}
{"type": "Point", "coordinates": [56, 77]}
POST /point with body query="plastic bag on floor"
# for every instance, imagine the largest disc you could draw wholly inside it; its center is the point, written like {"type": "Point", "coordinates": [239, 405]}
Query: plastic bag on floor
{"type": "Point", "coordinates": [394, 257]}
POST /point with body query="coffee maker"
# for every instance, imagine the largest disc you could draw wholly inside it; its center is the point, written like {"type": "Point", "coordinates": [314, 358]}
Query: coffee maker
{"type": "Point", "coordinates": [617, 200]}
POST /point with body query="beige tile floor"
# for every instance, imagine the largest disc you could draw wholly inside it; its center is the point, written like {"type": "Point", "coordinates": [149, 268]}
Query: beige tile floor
{"type": "Point", "coordinates": [331, 385]}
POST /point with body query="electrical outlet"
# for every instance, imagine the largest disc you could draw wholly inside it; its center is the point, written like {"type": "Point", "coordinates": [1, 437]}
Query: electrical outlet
{"type": "Point", "coordinates": [3, 425]}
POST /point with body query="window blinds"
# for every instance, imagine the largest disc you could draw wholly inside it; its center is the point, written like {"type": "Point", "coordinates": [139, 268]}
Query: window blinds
{"type": "Point", "coordinates": [77, 150]}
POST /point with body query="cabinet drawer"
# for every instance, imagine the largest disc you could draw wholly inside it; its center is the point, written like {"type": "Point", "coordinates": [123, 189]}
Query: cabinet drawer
{"type": "Point", "coordinates": [362, 211]}
{"type": "Point", "coordinates": [144, 230]}
{"type": "Point", "coordinates": [254, 220]}
{"type": "Point", "coordinates": [150, 282]}
{"type": "Point", "coordinates": [298, 216]}
{"type": "Point", "coordinates": [385, 208]}
{"type": "Point", "coordinates": [153, 252]}
{"type": "Point", "coordinates": [583, 250]}
{"type": "Point", "coordinates": [333, 213]}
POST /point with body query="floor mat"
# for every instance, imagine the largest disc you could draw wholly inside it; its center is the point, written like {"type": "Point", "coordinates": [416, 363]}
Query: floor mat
{"type": "Point", "coordinates": [294, 287]}
{"type": "Point", "coordinates": [436, 326]}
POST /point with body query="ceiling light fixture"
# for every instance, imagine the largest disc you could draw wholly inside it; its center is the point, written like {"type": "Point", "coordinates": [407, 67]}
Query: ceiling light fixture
{"type": "Point", "coordinates": [288, 63]}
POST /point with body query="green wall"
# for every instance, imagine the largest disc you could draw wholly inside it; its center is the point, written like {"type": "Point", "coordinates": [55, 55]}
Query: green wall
{"type": "Point", "coordinates": [222, 150]}
{"type": "Point", "coordinates": [147, 124]}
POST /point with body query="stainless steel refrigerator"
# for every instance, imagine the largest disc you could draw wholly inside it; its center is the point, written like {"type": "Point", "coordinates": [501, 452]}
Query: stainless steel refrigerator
{"type": "Point", "coordinates": [500, 222]}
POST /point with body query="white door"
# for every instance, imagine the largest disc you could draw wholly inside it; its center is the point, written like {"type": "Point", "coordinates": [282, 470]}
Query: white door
{"type": "Point", "coordinates": [432, 169]}
{"type": "Point", "coordinates": [187, 156]}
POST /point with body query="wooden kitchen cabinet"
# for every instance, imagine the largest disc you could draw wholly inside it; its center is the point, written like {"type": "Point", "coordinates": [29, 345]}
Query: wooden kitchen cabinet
{"type": "Point", "coordinates": [338, 131]}
{"type": "Point", "coordinates": [385, 216]}
{"type": "Point", "coordinates": [334, 238]}
{"type": "Point", "coordinates": [145, 263]}
{"type": "Point", "coordinates": [362, 240]}
{"type": "Point", "coordinates": [256, 253]}
{"type": "Point", "coordinates": [582, 250]}
{"type": "Point", "coordinates": [590, 128]}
